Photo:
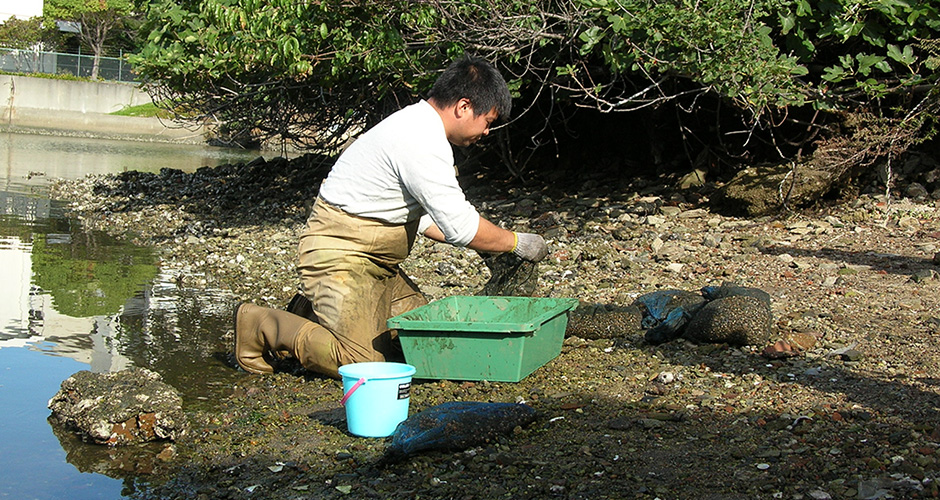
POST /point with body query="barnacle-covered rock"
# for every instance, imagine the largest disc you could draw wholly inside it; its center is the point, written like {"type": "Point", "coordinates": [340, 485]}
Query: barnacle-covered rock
{"type": "Point", "coordinates": [119, 408]}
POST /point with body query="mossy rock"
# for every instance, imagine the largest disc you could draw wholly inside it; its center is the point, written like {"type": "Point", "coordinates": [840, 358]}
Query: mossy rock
{"type": "Point", "coordinates": [758, 191]}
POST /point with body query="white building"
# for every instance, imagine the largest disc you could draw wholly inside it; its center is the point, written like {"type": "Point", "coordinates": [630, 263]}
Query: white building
{"type": "Point", "coordinates": [21, 9]}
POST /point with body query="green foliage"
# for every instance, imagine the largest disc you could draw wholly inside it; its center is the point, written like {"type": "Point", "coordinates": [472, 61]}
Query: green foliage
{"type": "Point", "coordinates": [314, 71]}
{"type": "Point", "coordinates": [146, 110]}
{"type": "Point", "coordinates": [865, 48]}
{"type": "Point", "coordinates": [720, 44]}
{"type": "Point", "coordinates": [300, 65]}
{"type": "Point", "coordinates": [97, 20]}
{"type": "Point", "coordinates": [72, 10]}
{"type": "Point", "coordinates": [48, 76]}
{"type": "Point", "coordinates": [26, 34]}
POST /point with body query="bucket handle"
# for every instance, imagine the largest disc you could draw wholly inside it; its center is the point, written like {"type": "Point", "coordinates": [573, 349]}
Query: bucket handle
{"type": "Point", "coordinates": [351, 390]}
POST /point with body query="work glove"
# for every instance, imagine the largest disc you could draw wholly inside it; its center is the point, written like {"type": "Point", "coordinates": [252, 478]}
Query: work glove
{"type": "Point", "coordinates": [530, 247]}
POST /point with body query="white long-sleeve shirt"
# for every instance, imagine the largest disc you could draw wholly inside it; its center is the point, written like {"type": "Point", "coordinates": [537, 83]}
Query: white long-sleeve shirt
{"type": "Point", "coordinates": [400, 170]}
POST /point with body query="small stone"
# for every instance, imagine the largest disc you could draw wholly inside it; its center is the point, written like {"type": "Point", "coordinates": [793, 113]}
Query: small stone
{"type": "Point", "coordinates": [778, 350]}
{"type": "Point", "coordinates": [655, 220]}
{"type": "Point", "coordinates": [675, 267]}
{"type": "Point", "coordinates": [850, 355]}
{"type": "Point", "coordinates": [908, 222]}
{"type": "Point", "coordinates": [666, 377]}
{"type": "Point", "coordinates": [670, 211]}
{"type": "Point", "coordinates": [695, 178]}
{"type": "Point", "coordinates": [620, 424]}
{"type": "Point", "coordinates": [650, 423]}
{"type": "Point", "coordinates": [916, 190]}
{"type": "Point", "coordinates": [923, 275]}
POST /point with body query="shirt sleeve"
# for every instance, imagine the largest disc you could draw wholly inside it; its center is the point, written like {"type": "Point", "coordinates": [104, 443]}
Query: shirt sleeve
{"type": "Point", "coordinates": [432, 180]}
{"type": "Point", "coordinates": [424, 222]}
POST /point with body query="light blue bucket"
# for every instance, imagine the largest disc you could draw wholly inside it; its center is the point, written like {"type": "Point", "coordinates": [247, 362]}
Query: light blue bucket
{"type": "Point", "coordinates": [376, 396]}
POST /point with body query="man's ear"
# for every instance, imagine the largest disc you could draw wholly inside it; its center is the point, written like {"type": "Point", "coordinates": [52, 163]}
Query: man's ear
{"type": "Point", "coordinates": [463, 108]}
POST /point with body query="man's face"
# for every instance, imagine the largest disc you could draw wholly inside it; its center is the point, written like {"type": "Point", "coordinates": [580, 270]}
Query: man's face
{"type": "Point", "coordinates": [471, 127]}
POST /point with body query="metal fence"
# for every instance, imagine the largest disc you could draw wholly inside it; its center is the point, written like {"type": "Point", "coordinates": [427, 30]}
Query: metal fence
{"type": "Point", "coordinates": [58, 63]}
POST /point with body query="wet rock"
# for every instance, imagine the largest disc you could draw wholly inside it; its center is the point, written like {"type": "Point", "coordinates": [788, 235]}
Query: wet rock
{"type": "Point", "coordinates": [119, 408]}
{"type": "Point", "coordinates": [117, 462]}
{"type": "Point", "coordinates": [735, 320]}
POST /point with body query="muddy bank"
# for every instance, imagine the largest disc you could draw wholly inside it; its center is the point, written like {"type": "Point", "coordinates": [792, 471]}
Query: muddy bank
{"type": "Point", "coordinates": [618, 417]}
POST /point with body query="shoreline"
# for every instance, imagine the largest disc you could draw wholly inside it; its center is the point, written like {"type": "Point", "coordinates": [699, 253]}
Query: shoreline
{"type": "Point", "coordinates": [619, 418]}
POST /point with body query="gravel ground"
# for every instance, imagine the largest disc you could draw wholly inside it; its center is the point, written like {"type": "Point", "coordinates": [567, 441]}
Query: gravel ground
{"type": "Point", "coordinates": [848, 411]}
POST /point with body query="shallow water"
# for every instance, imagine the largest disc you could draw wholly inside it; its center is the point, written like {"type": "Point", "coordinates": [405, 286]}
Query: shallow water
{"type": "Point", "coordinates": [76, 300]}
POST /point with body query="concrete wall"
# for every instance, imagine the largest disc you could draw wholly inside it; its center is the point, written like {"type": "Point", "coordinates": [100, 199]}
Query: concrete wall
{"type": "Point", "coordinates": [68, 95]}
{"type": "Point", "coordinates": [67, 107]}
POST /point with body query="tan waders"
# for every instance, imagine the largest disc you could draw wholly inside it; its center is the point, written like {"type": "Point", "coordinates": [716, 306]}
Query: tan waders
{"type": "Point", "coordinates": [349, 272]}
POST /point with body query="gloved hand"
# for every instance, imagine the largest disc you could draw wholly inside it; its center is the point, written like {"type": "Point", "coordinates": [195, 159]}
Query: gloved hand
{"type": "Point", "coordinates": [530, 247]}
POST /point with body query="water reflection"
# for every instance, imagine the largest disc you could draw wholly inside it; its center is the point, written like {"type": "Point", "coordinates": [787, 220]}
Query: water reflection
{"type": "Point", "coordinates": [64, 285]}
{"type": "Point", "coordinates": [74, 299]}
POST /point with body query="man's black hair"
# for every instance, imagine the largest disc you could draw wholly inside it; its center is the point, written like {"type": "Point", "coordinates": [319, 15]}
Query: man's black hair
{"type": "Point", "coordinates": [477, 80]}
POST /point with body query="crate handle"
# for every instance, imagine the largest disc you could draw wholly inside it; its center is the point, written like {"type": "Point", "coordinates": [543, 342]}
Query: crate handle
{"type": "Point", "coordinates": [351, 390]}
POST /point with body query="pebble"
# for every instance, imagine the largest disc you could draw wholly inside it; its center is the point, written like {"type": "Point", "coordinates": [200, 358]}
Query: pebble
{"type": "Point", "coordinates": [675, 267]}
{"type": "Point", "coordinates": [851, 355]}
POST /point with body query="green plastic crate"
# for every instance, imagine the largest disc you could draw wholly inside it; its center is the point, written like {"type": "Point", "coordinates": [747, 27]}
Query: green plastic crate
{"type": "Point", "coordinates": [501, 339]}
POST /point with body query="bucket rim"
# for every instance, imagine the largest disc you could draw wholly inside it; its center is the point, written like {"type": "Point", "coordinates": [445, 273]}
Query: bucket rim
{"type": "Point", "coordinates": [349, 370]}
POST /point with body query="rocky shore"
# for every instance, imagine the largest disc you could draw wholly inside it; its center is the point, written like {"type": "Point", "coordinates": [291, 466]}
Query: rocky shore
{"type": "Point", "coordinates": [845, 406]}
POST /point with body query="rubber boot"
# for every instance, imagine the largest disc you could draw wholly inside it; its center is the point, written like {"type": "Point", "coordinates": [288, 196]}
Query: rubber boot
{"type": "Point", "coordinates": [260, 331]}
